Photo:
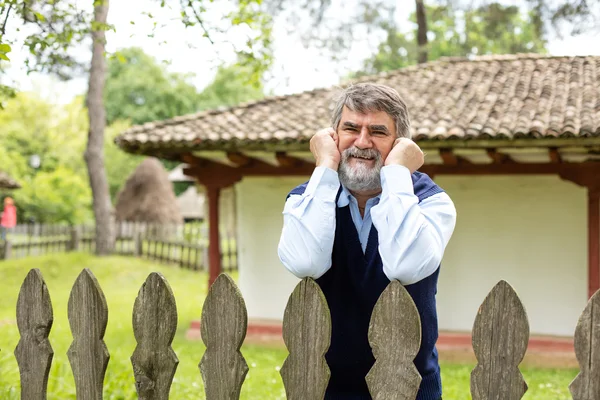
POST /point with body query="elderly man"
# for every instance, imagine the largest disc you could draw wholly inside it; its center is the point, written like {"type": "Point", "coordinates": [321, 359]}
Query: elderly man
{"type": "Point", "coordinates": [366, 217]}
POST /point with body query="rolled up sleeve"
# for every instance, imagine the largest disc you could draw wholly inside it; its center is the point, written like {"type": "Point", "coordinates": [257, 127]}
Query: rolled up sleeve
{"type": "Point", "coordinates": [306, 241]}
{"type": "Point", "coordinates": [412, 236]}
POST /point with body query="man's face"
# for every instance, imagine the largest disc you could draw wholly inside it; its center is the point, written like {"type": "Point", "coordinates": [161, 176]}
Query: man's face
{"type": "Point", "coordinates": [365, 140]}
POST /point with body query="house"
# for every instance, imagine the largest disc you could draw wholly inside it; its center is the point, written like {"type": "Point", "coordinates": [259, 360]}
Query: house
{"type": "Point", "coordinates": [514, 140]}
{"type": "Point", "coordinates": [191, 204]}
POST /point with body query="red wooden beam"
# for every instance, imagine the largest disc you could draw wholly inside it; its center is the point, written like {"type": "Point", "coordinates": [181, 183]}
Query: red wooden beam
{"type": "Point", "coordinates": [239, 159]}
{"type": "Point", "coordinates": [499, 158]}
{"type": "Point", "coordinates": [214, 246]}
{"type": "Point", "coordinates": [554, 155]}
{"type": "Point", "coordinates": [593, 241]}
{"type": "Point", "coordinates": [448, 157]}
{"type": "Point", "coordinates": [286, 161]}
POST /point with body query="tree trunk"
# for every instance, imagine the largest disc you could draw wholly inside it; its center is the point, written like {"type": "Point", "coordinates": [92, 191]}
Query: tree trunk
{"type": "Point", "coordinates": [94, 154]}
{"type": "Point", "coordinates": [422, 32]}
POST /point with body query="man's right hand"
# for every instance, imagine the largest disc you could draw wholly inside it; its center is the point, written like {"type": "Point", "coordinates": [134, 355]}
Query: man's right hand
{"type": "Point", "coordinates": [324, 147]}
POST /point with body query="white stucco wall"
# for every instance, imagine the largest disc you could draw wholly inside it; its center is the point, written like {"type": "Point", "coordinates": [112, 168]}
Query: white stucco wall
{"type": "Point", "coordinates": [530, 231]}
{"type": "Point", "coordinates": [264, 282]}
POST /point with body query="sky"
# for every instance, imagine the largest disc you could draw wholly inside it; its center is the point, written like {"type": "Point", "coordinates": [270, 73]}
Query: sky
{"type": "Point", "coordinates": [296, 68]}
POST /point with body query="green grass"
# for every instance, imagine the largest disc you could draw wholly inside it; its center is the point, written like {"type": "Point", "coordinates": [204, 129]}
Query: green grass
{"type": "Point", "coordinates": [120, 279]}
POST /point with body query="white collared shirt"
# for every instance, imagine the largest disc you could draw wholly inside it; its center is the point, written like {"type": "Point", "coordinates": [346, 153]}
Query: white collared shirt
{"type": "Point", "coordinates": [412, 235]}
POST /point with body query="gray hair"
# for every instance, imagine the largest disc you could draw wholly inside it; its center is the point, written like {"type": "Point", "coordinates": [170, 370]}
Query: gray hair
{"type": "Point", "coordinates": [365, 97]}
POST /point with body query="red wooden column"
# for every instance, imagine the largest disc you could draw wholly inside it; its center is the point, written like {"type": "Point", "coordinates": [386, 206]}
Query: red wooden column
{"type": "Point", "coordinates": [593, 240]}
{"type": "Point", "coordinates": [587, 175]}
{"type": "Point", "coordinates": [214, 245]}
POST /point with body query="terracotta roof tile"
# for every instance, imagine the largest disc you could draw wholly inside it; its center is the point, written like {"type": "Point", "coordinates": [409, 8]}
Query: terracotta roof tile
{"type": "Point", "coordinates": [490, 97]}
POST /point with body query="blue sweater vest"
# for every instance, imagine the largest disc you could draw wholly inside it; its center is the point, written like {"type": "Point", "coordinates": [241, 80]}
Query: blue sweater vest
{"type": "Point", "coordinates": [352, 287]}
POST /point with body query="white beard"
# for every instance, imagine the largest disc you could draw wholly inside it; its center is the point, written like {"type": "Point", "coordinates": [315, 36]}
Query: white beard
{"type": "Point", "coordinates": [360, 177]}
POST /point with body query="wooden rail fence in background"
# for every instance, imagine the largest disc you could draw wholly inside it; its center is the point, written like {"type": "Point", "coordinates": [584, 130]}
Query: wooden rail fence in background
{"type": "Point", "coordinates": [500, 338]}
{"type": "Point", "coordinates": [181, 244]}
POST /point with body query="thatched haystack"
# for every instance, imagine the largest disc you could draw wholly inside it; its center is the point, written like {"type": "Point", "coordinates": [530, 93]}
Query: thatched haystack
{"type": "Point", "coordinates": [6, 182]}
{"type": "Point", "coordinates": [148, 196]}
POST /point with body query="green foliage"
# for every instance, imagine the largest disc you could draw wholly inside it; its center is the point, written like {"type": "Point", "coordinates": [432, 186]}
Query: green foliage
{"type": "Point", "coordinates": [231, 86]}
{"type": "Point", "coordinates": [58, 190]}
{"type": "Point", "coordinates": [119, 165]}
{"type": "Point", "coordinates": [56, 196]}
{"type": "Point", "coordinates": [489, 29]}
{"type": "Point", "coordinates": [57, 25]}
{"type": "Point", "coordinates": [140, 89]}
{"type": "Point", "coordinates": [247, 17]}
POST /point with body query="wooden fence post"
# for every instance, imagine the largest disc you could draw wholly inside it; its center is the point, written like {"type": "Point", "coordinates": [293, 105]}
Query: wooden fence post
{"type": "Point", "coordinates": [395, 337]}
{"type": "Point", "coordinates": [500, 339]}
{"type": "Point", "coordinates": [137, 249]}
{"type": "Point", "coordinates": [75, 239]}
{"type": "Point", "coordinates": [223, 329]}
{"type": "Point", "coordinates": [34, 352]}
{"type": "Point", "coordinates": [7, 249]}
{"type": "Point", "coordinates": [586, 385]}
{"type": "Point", "coordinates": [307, 336]}
{"type": "Point", "coordinates": [88, 355]}
{"type": "Point", "coordinates": [154, 325]}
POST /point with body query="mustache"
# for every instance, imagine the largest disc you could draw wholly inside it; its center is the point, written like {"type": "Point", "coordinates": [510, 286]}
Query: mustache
{"type": "Point", "coordinates": [364, 153]}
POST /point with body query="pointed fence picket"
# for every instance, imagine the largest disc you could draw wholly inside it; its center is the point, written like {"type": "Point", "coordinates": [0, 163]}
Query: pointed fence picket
{"type": "Point", "coordinates": [307, 334]}
{"type": "Point", "coordinates": [500, 338]}
{"type": "Point", "coordinates": [88, 355]}
{"type": "Point", "coordinates": [223, 329]}
{"type": "Point", "coordinates": [395, 337]}
{"type": "Point", "coordinates": [154, 326]}
{"type": "Point", "coordinates": [34, 352]}
{"type": "Point", "coordinates": [586, 385]}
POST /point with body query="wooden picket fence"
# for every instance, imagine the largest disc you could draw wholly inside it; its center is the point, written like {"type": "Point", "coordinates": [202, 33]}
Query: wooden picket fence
{"type": "Point", "coordinates": [500, 339]}
{"type": "Point", "coordinates": [181, 244]}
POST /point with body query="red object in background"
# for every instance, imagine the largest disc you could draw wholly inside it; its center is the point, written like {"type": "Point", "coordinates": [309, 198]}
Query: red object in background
{"type": "Point", "coordinates": [9, 216]}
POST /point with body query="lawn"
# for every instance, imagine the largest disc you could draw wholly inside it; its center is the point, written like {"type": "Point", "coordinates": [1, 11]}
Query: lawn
{"type": "Point", "coordinates": [120, 279]}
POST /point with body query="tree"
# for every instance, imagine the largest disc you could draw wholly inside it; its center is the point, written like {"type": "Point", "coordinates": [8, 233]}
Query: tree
{"type": "Point", "coordinates": [61, 25]}
{"type": "Point", "coordinates": [513, 32]}
{"type": "Point", "coordinates": [230, 87]}
{"type": "Point", "coordinates": [94, 152]}
{"type": "Point", "coordinates": [337, 30]}
{"type": "Point", "coordinates": [140, 89]}
{"type": "Point", "coordinates": [421, 32]}
{"type": "Point", "coordinates": [56, 190]}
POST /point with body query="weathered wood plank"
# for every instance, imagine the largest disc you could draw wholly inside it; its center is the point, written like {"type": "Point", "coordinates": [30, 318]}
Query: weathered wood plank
{"type": "Point", "coordinates": [34, 320]}
{"type": "Point", "coordinates": [395, 337]}
{"type": "Point", "coordinates": [88, 355]}
{"type": "Point", "coordinates": [154, 325]}
{"type": "Point", "coordinates": [586, 385]}
{"type": "Point", "coordinates": [307, 336]}
{"type": "Point", "coordinates": [500, 339]}
{"type": "Point", "coordinates": [223, 329]}
{"type": "Point", "coordinates": [7, 249]}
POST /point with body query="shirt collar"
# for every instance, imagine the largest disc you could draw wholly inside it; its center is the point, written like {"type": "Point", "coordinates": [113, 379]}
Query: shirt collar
{"type": "Point", "coordinates": [345, 197]}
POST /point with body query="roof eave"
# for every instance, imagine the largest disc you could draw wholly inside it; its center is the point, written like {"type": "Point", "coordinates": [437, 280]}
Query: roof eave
{"type": "Point", "coordinates": [303, 145]}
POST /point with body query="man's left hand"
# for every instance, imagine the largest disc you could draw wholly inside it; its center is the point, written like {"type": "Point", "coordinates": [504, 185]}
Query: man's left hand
{"type": "Point", "coordinates": [406, 152]}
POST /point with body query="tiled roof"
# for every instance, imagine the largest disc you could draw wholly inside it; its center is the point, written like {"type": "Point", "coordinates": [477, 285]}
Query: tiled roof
{"type": "Point", "coordinates": [451, 100]}
{"type": "Point", "coordinates": [6, 182]}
